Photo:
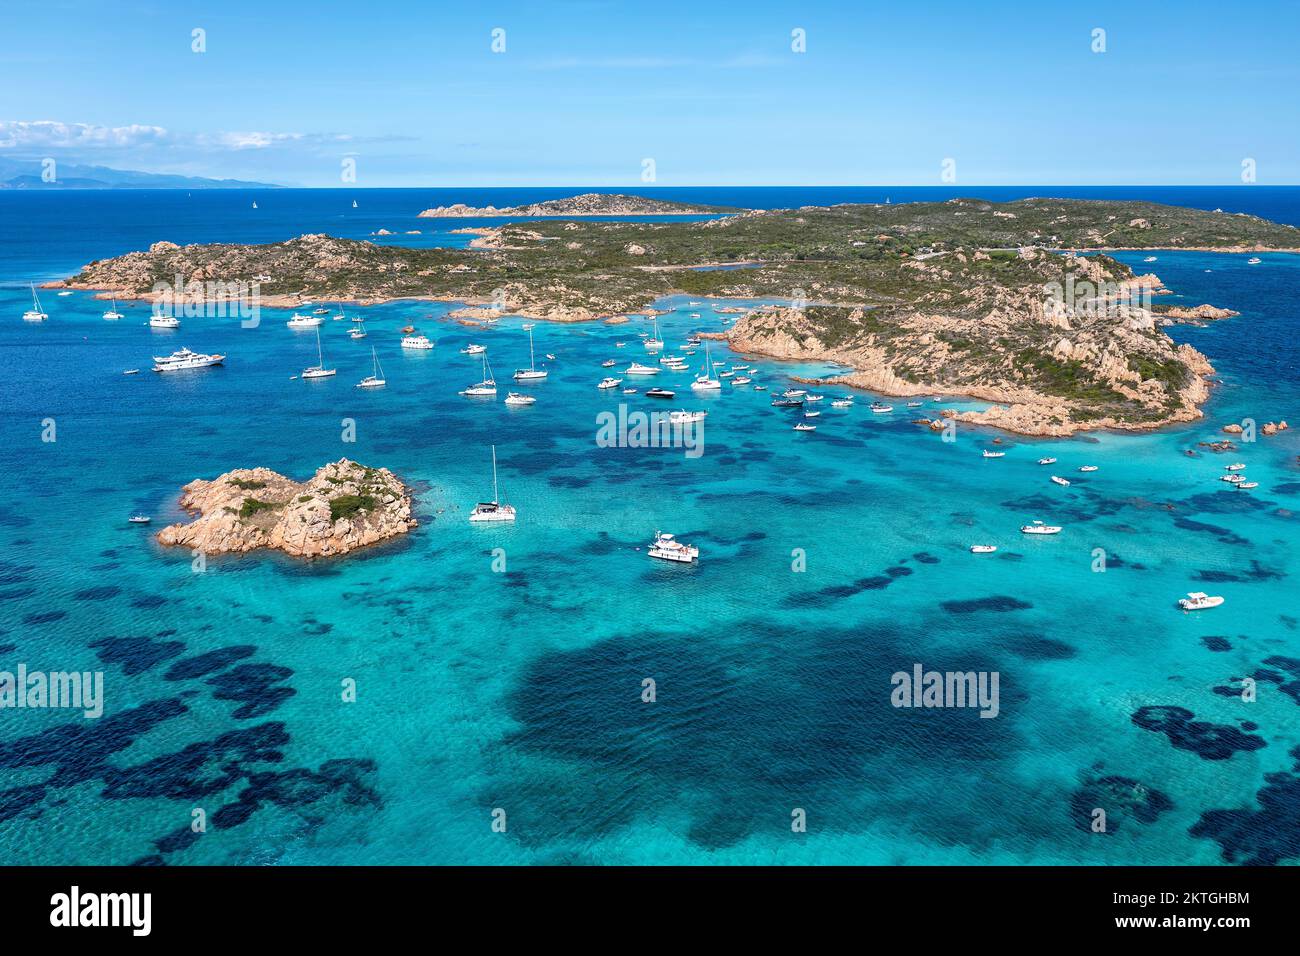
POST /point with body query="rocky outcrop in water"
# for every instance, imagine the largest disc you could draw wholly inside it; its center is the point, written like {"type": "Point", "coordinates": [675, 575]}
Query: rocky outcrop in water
{"type": "Point", "coordinates": [587, 204]}
{"type": "Point", "coordinates": [343, 507]}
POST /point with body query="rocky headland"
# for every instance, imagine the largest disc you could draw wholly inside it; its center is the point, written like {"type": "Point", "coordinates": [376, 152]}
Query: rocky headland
{"type": "Point", "coordinates": [343, 507]}
{"type": "Point", "coordinates": [587, 204]}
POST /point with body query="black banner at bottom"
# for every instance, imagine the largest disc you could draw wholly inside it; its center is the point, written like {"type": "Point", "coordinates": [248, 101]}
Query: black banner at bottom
{"type": "Point", "coordinates": [232, 905]}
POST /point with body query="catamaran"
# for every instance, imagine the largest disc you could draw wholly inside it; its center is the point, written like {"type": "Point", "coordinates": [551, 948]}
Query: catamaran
{"type": "Point", "coordinates": [113, 313]}
{"type": "Point", "coordinates": [319, 370]}
{"type": "Point", "coordinates": [376, 378]}
{"type": "Point", "coordinates": [486, 387]}
{"type": "Point", "coordinates": [493, 510]}
{"type": "Point", "coordinates": [530, 374]}
{"type": "Point", "coordinates": [35, 313]}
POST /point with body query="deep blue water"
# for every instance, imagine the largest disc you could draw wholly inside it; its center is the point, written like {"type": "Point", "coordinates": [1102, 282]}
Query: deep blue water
{"type": "Point", "coordinates": [521, 690]}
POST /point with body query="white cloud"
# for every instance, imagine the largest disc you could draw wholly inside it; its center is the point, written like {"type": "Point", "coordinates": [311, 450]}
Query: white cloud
{"type": "Point", "coordinates": [48, 134]}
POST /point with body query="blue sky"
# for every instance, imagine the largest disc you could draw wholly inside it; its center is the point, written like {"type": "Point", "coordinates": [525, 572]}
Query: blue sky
{"type": "Point", "coordinates": [712, 92]}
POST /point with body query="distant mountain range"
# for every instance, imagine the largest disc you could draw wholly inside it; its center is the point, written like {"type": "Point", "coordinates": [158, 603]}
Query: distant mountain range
{"type": "Point", "coordinates": [26, 174]}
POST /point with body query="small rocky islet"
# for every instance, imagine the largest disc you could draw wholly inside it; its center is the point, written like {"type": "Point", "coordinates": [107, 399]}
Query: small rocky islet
{"type": "Point", "coordinates": [344, 506]}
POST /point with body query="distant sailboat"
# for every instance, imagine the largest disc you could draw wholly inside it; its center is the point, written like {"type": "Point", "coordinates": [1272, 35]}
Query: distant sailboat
{"type": "Point", "coordinates": [530, 374]}
{"type": "Point", "coordinates": [113, 313]}
{"type": "Point", "coordinates": [354, 204]}
{"type": "Point", "coordinates": [493, 510]}
{"type": "Point", "coordinates": [318, 370]}
{"type": "Point", "coordinates": [376, 378]}
{"type": "Point", "coordinates": [254, 203]}
{"type": "Point", "coordinates": [35, 314]}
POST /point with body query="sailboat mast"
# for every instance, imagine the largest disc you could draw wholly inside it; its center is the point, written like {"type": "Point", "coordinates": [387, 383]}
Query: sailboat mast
{"type": "Point", "coordinates": [532, 360]}
{"type": "Point", "coordinates": [495, 497]}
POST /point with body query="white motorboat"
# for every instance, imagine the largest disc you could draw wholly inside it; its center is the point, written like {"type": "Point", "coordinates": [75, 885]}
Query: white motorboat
{"type": "Point", "coordinates": [1199, 601]}
{"type": "Point", "coordinates": [65, 292]}
{"type": "Point", "coordinates": [684, 417]}
{"type": "Point", "coordinates": [629, 391]}
{"type": "Point", "coordinates": [1236, 466]}
{"type": "Point", "coordinates": [741, 381]}
{"type": "Point", "coordinates": [1233, 479]}
{"type": "Point", "coordinates": [486, 387]}
{"type": "Point", "coordinates": [376, 378]}
{"type": "Point", "coordinates": [532, 373]}
{"type": "Point", "coordinates": [1047, 461]}
{"type": "Point", "coordinates": [1063, 482]}
{"type": "Point", "coordinates": [727, 374]}
{"type": "Point", "coordinates": [636, 368]}
{"type": "Point", "coordinates": [668, 548]}
{"type": "Point", "coordinates": [112, 313]}
{"type": "Point", "coordinates": [319, 370]}
{"type": "Point", "coordinates": [608, 363]}
{"type": "Point", "coordinates": [185, 359]}
{"type": "Point", "coordinates": [915, 404]}
{"type": "Point", "coordinates": [1086, 469]}
{"type": "Point", "coordinates": [164, 322]}
{"type": "Point", "coordinates": [300, 321]}
{"type": "Point", "coordinates": [1149, 259]}
{"type": "Point", "coordinates": [841, 403]}
{"type": "Point", "coordinates": [760, 388]}
{"type": "Point", "coordinates": [131, 371]}
{"type": "Point", "coordinates": [811, 413]}
{"type": "Point", "coordinates": [1254, 261]}
{"type": "Point", "coordinates": [983, 548]}
{"type": "Point", "coordinates": [1039, 528]}
{"type": "Point", "coordinates": [514, 398]}
{"type": "Point", "coordinates": [1248, 484]}
{"type": "Point", "coordinates": [805, 427]}
{"type": "Point", "coordinates": [814, 398]}
{"type": "Point", "coordinates": [619, 345]}
{"type": "Point", "coordinates": [417, 342]}
{"type": "Point", "coordinates": [493, 510]}
{"type": "Point", "coordinates": [880, 408]}
{"type": "Point", "coordinates": [320, 311]}
{"type": "Point", "coordinates": [528, 326]}
{"type": "Point", "coordinates": [139, 519]}
{"type": "Point", "coordinates": [793, 393]}
{"type": "Point", "coordinates": [994, 454]}
{"type": "Point", "coordinates": [610, 383]}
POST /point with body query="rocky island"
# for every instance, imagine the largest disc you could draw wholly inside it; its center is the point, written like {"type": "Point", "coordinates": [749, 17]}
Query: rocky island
{"type": "Point", "coordinates": [587, 204]}
{"type": "Point", "coordinates": [993, 301]}
{"type": "Point", "coordinates": [344, 506]}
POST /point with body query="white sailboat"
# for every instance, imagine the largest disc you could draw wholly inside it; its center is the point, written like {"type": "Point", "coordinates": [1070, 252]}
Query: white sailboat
{"type": "Point", "coordinates": [705, 382]}
{"type": "Point", "coordinates": [493, 510]}
{"type": "Point", "coordinates": [113, 313]}
{"type": "Point", "coordinates": [35, 313]}
{"type": "Point", "coordinates": [530, 374]}
{"type": "Point", "coordinates": [654, 343]}
{"type": "Point", "coordinates": [376, 378]}
{"type": "Point", "coordinates": [359, 332]}
{"type": "Point", "coordinates": [319, 370]}
{"type": "Point", "coordinates": [484, 388]}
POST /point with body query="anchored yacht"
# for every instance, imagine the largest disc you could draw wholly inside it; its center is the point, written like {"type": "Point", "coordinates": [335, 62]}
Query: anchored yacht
{"type": "Point", "coordinates": [880, 408]}
{"type": "Point", "coordinates": [1039, 528]}
{"type": "Point", "coordinates": [610, 383]}
{"type": "Point", "coordinates": [164, 322]}
{"type": "Point", "coordinates": [654, 343]}
{"type": "Point", "coordinates": [300, 321]}
{"type": "Point", "coordinates": [685, 418]}
{"type": "Point", "coordinates": [983, 548]}
{"type": "Point", "coordinates": [530, 374]}
{"type": "Point", "coordinates": [636, 368]}
{"type": "Point", "coordinates": [35, 313]}
{"type": "Point", "coordinates": [112, 313]}
{"type": "Point", "coordinates": [667, 548]}
{"type": "Point", "coordinates": [420, 342]}
{"type": "Point", "coordinates": [493, 510]}
{"type": "Point", "coordinates": [319, 370]}
{"type": "Point", "coordinates": [486, 387]}
{"type": "Point", "coordinates": [660, 393]}
{"type": "Point", "coordinates": [185, 359]}
{"type": "Point", "coordinates": [515, 398]}
{"type": "Point", "coordinates": [376, 378]}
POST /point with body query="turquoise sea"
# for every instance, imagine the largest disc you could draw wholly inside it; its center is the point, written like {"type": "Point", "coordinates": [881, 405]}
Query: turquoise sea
{"type": "Point", "coordinates": [520, 689]}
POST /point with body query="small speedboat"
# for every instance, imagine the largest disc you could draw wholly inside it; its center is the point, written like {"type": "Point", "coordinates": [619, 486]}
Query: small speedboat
{"type": "Point", "coordinates": [811, 414]}
{"type": "Point", "coordinates": [629, 391]}
{"type": "Point", "coordinates": [1087, 468]}
{"type": "Point", "coordinates": [514, 398]}
{"type": "Point", "coordinates": [1254, 261]}
{"type": "Point", "coordinates": [684, 417]}
{"type": "Point", "coordinates": [994, 454]}
{"type": "Point", "coordinates": [1199, 601]}
{"type": "Point", "coordinates": [741, 381]}
{"type": "Point", "coordinates": [793, 393]}
{"type": "Point", "coordinates": [1149, 259]}
{"type": "Point", "coordinates": [805, 427]}
{"type": "Point", "coordinates": [611, 383]}
{"type": "Point", "coordinates": [660, 393]}
{"type": "Point", "coordinates": [473, 349]}
{"type": "Point", "coordinates": [760, 388]}
{"type": "Point", "coordinates": [608, 363]}
{"type": "Point", "coordinates": [1063, 482]}
{"type": "Point", "coordinates": [915, 404]}
{"type": "Point", "coordinates": [787, 403]}
{"type": "Point", "coordinates": [1233, 479]}
{"type": "Point", "coordinates": [880, 408]}
{"type": "Point", "coordinates": [1047, 461]}
{"type": "Point", "coordinates": [814, 398]}
{"type": "Point", "coordinates": [983, 548]}
{"type": "Point", "coordinates": [842, 403]}
{"type": "Point", "coordinates": [1236, 466]}
{"type": "Point", "coordinates": [1248, 484]}
{"type": "Point", "coordinates": [619, 345]}
{"type": "Point", "coordinates": [1038, 527]}
{"type": "Point", "coordinates": [139, 519]}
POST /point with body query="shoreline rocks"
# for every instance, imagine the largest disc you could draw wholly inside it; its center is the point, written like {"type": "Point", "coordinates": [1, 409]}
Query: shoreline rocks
{"type": "Point", "coordinates": [342, 507]}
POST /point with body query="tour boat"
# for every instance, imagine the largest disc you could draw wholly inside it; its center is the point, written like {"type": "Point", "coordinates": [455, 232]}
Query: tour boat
{"type": "Point", "coordinates": [1039, 528]}
{"type": "Point", "coordinates": [842, 403]}
{"type": "Point", "coordinates": [660, 393]}
{"type": "Point", "coordinates": [684, 417]}
{"type": "Point", "coordinates": [1063, 482]}
{"type": "Point", "coordinates": [34, 314]}
{"type": "Point", "coordinates": [493, 510]}
{"type": "Point", "coordinates": [319, 370]}
{"type": "Point", "coordinates": [416, 342]}
{"type": "Point", "coordinates": [1236, 466]}
{"type": "Point", "coordinates": [530, 374]}
{"type": "Point", "coordinates": [608, 363]}
{"type": "Point", "coordinates": [486, 387]}
{"type": "Point", "coordinates": [514, 398]}
{"type": "Point", "coordinates": [610, 382]}
{"type": "Point", "coordinates": [1047, 461]}
{"type": "Point", "coordinates": [164, 322]}
{"type": "Point", "coordinates": [185, 359]}
{"type": "Point", "coordinates": [113, 313]}
{"type": "Point", "coordinates": [880, 408]}
{"type": "Point", "coordinates": [805, 427]}
{"type": "Point", "coordinates": [994, 454]}
{"type": "Point", "coordinates": [299, 321]}
{"type": "Point", "coordinates": [636, 368]}
{"type": "Point", "coordinates": [667, 548]}
{"type": "Point", "coordinates": [1087, 468]}
{"type": "Point", "coordinates": [376, 378]}
{"type": "Point", "coordinates": [983, 548]}
{"type": "Point", "coordinates": [139, 519]}
{"type": "Point", "coordinates": [1199, 601]}
{"type": "Point", "coordinates": [358, 333]}
{"type": "Point", "coordinates": [473, 349]}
